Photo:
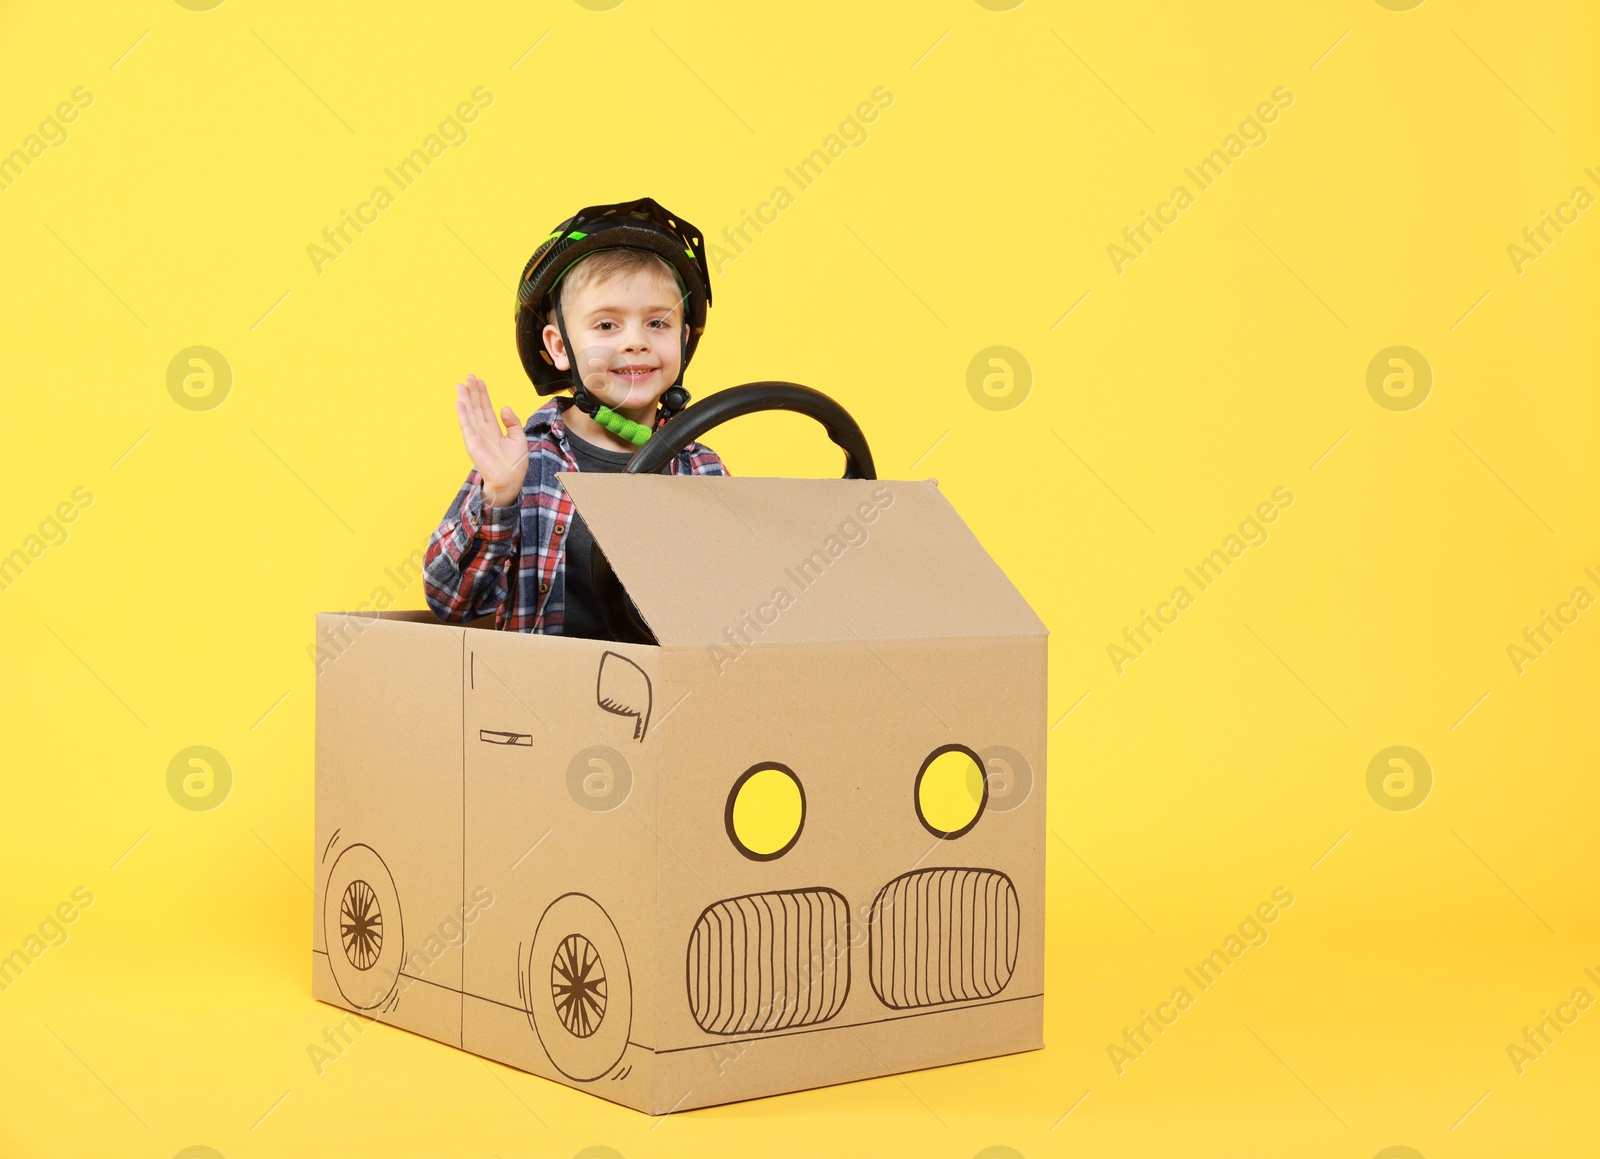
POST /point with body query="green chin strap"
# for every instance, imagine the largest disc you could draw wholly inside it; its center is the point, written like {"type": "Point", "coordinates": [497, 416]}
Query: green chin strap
{"type": "Point", "coordinates": [636, 433]}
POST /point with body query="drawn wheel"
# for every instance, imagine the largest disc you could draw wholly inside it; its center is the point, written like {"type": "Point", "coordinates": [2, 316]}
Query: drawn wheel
{"type": "Point", "coordinates": [578, 990]}
{"type": "Point", "coordinates": [362, 927]}
{"type": "Point", "coordinates": [578, 986]}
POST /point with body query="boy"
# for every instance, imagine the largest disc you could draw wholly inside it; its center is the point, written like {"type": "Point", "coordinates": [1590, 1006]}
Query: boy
{"type": "Point", "coordinates": [612, 306]}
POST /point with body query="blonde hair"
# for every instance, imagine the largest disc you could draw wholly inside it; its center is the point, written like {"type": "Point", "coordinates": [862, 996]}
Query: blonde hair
{"type": "Point", "coordinates": [603, 265]}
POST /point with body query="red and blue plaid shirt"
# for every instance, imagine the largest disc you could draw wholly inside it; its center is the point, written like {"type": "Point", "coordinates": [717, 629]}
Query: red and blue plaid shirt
{"type": "Point", "coordinates": [474, 557]}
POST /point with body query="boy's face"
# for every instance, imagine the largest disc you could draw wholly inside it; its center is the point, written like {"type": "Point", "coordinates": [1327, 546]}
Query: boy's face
{"type": "Point", "coordinates": [628, 331]}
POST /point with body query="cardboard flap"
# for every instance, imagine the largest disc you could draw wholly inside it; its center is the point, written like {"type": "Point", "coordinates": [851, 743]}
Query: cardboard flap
{"type": "Point", "coordinates": [736, 561]}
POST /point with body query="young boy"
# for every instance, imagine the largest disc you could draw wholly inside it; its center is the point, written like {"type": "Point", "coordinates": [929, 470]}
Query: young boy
{"type": "Point", "coordinates": [611, 305]}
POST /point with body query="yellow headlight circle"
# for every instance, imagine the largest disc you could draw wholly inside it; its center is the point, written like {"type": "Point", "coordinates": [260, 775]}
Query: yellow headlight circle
{"type": "Point", "coordinates": [766, 811]}
{"type": "Point", "coordinates": [951, 790]}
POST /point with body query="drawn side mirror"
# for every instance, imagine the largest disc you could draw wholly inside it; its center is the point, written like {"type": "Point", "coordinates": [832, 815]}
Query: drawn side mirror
{"type": "Point", "coordinates": [623, 688]}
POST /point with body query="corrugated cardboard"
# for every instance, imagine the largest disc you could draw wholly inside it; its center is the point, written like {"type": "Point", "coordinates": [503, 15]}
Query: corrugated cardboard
{"type": "Point", "coordinates": [526, 847]}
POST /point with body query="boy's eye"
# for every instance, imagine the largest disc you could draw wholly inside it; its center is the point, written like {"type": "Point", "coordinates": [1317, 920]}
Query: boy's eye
{"type": "Point", "coordinates": [659, 323]}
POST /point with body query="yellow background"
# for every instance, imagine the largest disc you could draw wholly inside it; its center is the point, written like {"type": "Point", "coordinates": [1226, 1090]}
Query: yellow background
{"type": "Point", "coordinates": [1167, 401]}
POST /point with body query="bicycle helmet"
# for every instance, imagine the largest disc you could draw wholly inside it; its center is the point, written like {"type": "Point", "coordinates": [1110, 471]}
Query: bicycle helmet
{"type": "Point", "coordinates": [642, 225]}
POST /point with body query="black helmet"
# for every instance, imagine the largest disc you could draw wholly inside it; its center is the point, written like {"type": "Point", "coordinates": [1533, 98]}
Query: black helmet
{"type": "Point", "coordinates": [642, 225]}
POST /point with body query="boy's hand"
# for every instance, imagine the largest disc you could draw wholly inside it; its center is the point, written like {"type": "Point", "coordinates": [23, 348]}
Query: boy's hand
{"type": "Point", "coordinates": [501, 458]}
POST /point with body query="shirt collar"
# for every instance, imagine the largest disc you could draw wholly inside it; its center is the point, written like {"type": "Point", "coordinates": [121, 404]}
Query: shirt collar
{"type": "Point", "coordinates": [548, 418]}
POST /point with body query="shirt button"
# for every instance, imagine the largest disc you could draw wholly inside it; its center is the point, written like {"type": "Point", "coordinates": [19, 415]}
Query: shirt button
{"type": "Point", "coordinates": [543, 588]}
{"type": "Point", "coordinates": [560, 527]}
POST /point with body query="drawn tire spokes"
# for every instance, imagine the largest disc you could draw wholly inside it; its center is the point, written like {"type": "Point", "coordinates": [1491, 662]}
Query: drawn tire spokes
{"type": "Point", "coordinates": [578, 985]}
{"type": "Point", "coordinates": [576, 988]}
{"type": "Point", "coordinates": [363, 927]}
{"type": "Point", "coordinates": [360, 925]}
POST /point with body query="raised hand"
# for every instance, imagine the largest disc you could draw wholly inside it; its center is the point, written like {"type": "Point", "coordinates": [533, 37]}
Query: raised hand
{"type": "Point", "coordinates": [501, 457]}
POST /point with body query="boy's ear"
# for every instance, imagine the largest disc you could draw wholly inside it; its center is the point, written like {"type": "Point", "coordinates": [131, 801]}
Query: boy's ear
{"type": "Point", "coordinates": [552, 343]}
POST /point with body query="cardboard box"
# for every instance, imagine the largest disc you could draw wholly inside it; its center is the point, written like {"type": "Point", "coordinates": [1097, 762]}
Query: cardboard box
{"type": "Point", "coordinates": [725, 865]}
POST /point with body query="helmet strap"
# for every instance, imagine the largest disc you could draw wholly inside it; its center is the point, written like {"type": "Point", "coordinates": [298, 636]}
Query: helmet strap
{"type": "Point", "coordinates": [581, 398]}
{"type": "Point", "coordinates": [677, 396]}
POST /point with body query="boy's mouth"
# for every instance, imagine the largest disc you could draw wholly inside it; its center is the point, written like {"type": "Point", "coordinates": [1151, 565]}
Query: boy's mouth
{"type": "Point", "coordinates": [634, 374]}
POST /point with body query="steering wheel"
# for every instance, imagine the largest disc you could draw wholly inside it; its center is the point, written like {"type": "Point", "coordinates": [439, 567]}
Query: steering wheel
{"type": "Point", "coordinates": [617, 610]}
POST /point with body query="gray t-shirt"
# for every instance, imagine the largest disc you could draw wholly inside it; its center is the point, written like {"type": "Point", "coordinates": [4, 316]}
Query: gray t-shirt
{"type": "Point", "coordinates": [583, 612]}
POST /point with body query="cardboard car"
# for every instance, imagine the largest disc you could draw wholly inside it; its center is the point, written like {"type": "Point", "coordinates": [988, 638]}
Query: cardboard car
{"type": "Point", "coordinates": [764, 850]}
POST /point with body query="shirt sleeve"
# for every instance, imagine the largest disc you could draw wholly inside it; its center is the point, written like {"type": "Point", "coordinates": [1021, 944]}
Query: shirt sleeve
{"type": "Point", "coordinates": [702, 460]}
{"type": "Point", "coordinates": [470, 563]}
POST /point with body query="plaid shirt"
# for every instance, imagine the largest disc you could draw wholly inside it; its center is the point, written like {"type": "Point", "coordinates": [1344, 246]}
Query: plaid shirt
{"type": "Point", "coordinates": [474, 556]}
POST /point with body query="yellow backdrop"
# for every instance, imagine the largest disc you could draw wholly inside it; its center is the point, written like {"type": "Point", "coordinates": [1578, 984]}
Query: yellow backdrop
{"type": "Point", "coordinates": [1255, 342]}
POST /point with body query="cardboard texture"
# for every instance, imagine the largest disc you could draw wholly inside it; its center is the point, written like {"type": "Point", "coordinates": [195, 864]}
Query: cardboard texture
{"type": "Point", "coordinates": [714, 867]}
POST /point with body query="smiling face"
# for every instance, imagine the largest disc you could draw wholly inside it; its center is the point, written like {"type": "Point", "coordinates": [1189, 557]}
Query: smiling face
{"type": "Point", "coordinates": [627, 327]}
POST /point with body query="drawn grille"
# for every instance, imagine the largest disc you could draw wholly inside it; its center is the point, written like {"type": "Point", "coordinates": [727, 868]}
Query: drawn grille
{"type": "Point", "coordinates": [943, 935]}
{"type": "Point", "coordinates": [768, 961]}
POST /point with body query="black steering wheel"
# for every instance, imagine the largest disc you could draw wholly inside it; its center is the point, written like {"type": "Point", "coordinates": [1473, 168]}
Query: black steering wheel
{"type": "Point", "coordinates": [617, 610]}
